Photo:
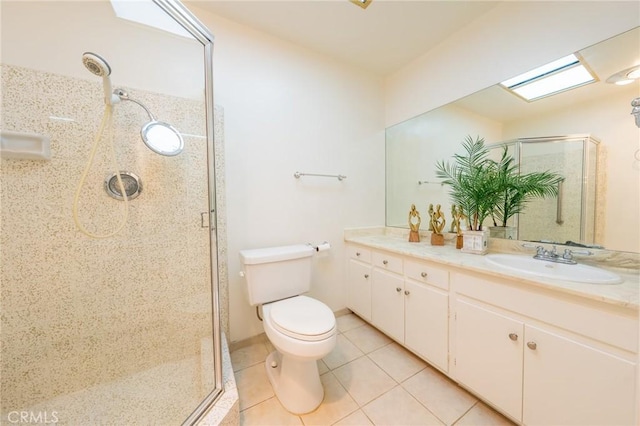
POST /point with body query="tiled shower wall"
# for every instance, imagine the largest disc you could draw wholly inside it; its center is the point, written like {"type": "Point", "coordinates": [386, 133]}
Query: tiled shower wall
{"type": "Point", "coordinates": [77, 311]}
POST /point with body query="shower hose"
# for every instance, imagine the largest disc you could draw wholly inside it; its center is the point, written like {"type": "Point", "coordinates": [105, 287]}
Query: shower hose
{"type": "Point", "coordinates": [107, 121]}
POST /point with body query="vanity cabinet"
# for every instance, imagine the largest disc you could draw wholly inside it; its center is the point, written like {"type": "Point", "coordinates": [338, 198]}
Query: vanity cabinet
{"type": "Point", "coordinates": [409, 302]}
{"type": "Point", "coordinates": [535, 372]}
{"type": "Point", "coordinates": [539, 355]}
{"type": "Point", "coordinates": [426, 312]}
{"type": "Point", "coordinates": [359, 281]}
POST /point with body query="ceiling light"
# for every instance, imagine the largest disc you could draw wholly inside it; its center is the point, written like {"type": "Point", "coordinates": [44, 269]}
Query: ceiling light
{"type": "Point", "coordinates": [362, 3]}
{"type": "Point", "coordinates": [625, 76]}
{"type": "Point", "coordinates": [634, 74]}
{"type": "Point", "coordinates": [558, 76]}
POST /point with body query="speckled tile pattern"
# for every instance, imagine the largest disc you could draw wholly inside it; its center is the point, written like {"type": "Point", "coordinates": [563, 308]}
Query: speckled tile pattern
{"type": "Point", "coordinates": [79, 314]}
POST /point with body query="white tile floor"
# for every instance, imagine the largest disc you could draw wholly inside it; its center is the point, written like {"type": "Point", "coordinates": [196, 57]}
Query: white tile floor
{"type": "Point", "coordinates": [368, 380]}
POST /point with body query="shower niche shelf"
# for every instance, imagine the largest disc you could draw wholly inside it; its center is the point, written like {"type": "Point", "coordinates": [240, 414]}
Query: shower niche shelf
{"type": "Point", "coordinates": [24, 146]}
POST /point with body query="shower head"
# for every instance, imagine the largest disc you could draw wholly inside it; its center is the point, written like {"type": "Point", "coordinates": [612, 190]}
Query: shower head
{"type": "Point", "coordinates": [98, 66]}
{"type": "Point", "coordinates": [160, 137]}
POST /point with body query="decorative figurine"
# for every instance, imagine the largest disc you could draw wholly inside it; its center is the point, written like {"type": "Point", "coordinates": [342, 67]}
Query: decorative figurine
{"type": "Point", "coordinates": [457, 217]}
{"type": "Point", "coordinates": [414, 234]}
{"type": "Point", "coordinates": [437, 222]}
{"type": "Point", "coordinates": [453, 216]}
{"type": "Point", "coordinates": [430, 216]}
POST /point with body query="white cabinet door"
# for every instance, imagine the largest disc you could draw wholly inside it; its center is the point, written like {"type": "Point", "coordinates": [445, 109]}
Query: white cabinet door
{"type": "Point", "coordinates": [387, 303]}
{"type": "Point", "coordinates": [426, 314]}
{"type": "Point", "coordinates": [359, 288]}
{"type": "Point", "coordinates": [488, 357]}
{"type": "Point", "coordinates": [569, 383]}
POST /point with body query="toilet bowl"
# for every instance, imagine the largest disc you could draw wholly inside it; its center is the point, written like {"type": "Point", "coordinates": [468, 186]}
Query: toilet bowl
{"type": "Point", "coordinates": [302, 330]}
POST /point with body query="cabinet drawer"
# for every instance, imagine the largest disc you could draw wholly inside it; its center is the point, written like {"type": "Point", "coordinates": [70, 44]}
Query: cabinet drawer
{"type": "Point", "coordinates": [387, 262]}
{"type": "Point", "coordinates": [427, 273]}
{"type": "Point", "coordinates": [359, 253]}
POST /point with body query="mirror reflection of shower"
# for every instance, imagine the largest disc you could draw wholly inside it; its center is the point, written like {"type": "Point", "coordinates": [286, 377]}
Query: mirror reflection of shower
{"type": "Point", "coordinates": [160, 137]}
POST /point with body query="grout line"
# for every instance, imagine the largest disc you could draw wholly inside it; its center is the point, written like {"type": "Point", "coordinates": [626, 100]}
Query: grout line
{"type": "Point", "coordinates": [465, 413]}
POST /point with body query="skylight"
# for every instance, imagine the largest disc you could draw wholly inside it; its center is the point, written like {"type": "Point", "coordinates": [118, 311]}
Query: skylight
{"type": "Point", "coordinates": [147, 13]}
{"type": "Point", "coordinates": [555, 77]}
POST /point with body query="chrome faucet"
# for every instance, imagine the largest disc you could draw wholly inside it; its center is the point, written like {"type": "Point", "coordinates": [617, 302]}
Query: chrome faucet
{"type": "Point", "coordinates": [553, 256]}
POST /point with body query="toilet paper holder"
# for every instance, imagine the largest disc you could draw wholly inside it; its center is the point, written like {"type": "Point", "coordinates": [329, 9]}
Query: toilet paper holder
{"type": "Point", "coordinates": [321, 247]}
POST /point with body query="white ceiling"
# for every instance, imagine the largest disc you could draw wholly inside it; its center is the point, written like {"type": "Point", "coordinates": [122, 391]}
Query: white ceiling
{"type": "Point", "coordinates": [603, 59]}
{"type": "Point", "coordinates": [382, 38]}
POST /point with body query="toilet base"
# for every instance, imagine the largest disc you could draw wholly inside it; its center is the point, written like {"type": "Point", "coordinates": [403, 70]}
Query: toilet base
{"type": "Point", "coordinates": [295, 381]}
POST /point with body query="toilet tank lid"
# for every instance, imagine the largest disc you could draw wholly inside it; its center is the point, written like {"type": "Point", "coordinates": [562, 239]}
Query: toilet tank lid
{"type": "Point", "coordinates": [275, 254]}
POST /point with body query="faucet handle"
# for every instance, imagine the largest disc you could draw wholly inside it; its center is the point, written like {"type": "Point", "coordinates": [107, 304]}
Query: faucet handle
{"type": "Point", "coordinates": [554, 251]}
{"type": "Point", "coordinates": [568, 254]}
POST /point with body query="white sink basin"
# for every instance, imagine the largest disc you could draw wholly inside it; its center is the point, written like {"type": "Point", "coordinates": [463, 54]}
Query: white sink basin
{"type": "Point", "coordinates": [541, 268]}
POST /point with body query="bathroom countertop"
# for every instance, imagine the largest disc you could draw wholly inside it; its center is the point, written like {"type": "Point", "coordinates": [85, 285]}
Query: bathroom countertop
{"type": "Point", "coordinates": [625, 294]}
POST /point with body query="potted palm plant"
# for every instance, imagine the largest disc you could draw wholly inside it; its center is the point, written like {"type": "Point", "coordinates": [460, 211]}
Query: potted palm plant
{"type": "Point", "coordinates": [515, 190]}
{"type": "Point", "coordinates": [483, 187]}
{"type": "Point", "coordinates": [474, 187]}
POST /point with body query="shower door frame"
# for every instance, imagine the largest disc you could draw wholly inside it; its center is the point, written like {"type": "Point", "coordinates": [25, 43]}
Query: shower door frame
{"type": "Point", "coordinates": [184, 17]}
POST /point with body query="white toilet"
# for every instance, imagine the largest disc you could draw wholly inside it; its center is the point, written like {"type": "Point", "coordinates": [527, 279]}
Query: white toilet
{"type": "Point", "coordinates": [301, 329]}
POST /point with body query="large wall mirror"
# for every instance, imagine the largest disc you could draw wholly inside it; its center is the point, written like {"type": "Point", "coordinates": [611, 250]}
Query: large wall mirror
{"type": "Point", "coordinates": [599, 110]}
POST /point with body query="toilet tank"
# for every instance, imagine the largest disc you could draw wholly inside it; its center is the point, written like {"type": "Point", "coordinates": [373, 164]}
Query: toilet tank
{"type": "Point", "coordinates": [276, 273]}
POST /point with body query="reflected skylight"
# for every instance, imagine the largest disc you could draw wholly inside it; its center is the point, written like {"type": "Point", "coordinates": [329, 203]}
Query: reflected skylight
{"type": "Point", "coordinates": [558, 76]}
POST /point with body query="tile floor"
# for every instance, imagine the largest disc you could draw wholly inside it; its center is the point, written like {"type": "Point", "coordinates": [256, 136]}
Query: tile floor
{"type": "Point", "coordinates": [368, 380]}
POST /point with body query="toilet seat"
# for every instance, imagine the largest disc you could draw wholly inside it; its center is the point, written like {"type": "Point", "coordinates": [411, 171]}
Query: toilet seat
{"type": "Point", "coordinates": [302, 318]}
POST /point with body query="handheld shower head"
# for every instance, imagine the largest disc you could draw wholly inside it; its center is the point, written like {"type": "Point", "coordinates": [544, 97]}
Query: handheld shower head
{"type": "Point", "coordinates": [98, 66]}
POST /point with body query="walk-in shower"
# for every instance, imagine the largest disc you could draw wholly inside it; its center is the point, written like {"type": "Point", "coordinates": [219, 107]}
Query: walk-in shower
{"type": "Point", "coordinates": [124, 329]}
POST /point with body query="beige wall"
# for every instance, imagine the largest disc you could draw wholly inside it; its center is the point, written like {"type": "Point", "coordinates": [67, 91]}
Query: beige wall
{"type": "Point", "coordinates": [288, 109]}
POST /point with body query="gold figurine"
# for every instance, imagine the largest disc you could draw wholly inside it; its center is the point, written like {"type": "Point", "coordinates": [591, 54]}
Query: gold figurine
{"type": "Point", "coordinates": [414, 234]}
{"type": "Point", "coordinates": [437, 223]}
{"type": "Point", "coordinates": [430, 216]}
{"type": "Point", "coordinates": [455, 226]}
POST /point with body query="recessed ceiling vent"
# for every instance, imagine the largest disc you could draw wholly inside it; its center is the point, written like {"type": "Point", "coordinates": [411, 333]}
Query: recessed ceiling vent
{"type": "Point", "coordinates": [558, 76]}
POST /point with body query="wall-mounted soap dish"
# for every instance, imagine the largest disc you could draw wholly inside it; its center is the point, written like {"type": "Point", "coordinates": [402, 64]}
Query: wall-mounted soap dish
{"type": "Point", "coordinates": [24, 146]}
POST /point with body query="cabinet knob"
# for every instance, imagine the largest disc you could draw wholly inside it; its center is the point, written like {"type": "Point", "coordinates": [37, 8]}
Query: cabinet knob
{"type": "Point", "coordinates": [407, 292]}
{"type": "Point", "coordinates": [423, 275]}
{"type": "Point", "coordinates": [384, 262]}
{"type": "Point", "coordinates": [358, 253]}
{"type": "Point", "coordinates": [398, 289]}
{"type": "Point", "coordinates": [513, 336]}
{"type": "Point", "coordinates": [532, 345]}
{"type": "Point", "coordinates": [366, 275]}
